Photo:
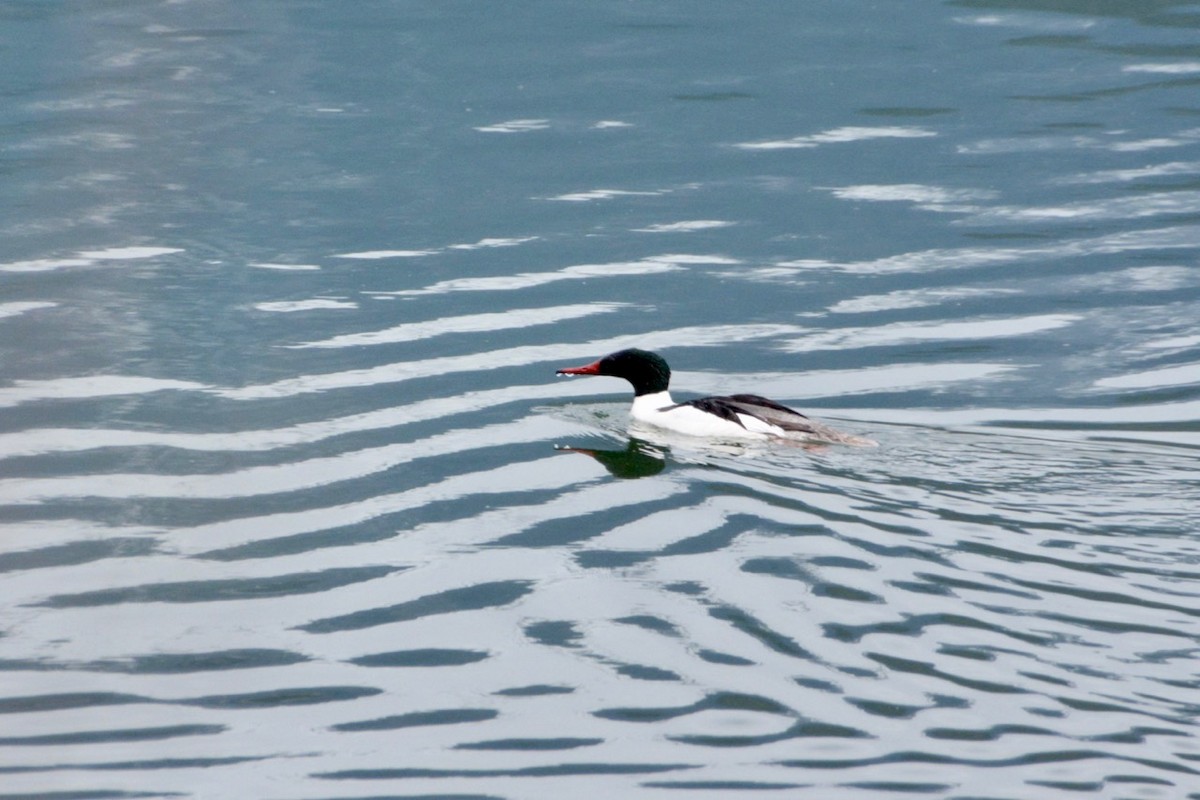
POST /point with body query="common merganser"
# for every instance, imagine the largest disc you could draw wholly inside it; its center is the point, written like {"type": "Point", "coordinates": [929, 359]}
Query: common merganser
{"type": "Point", "coordinates": [737, 416]}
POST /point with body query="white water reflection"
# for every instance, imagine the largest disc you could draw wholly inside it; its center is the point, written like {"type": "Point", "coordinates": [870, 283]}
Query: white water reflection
{"type": "Point", "coordinates": [1172, 343]}
{"type": "Point", "coordinates": [315, 304]}
{"type": "Point", "coordinates": [470, 323]}
{"type": "Point", "coordinates": [516, 126]}
{"type": "Point", "coordinates": [45, 264]}
{"type": "Point", "coordinates": [1137, 279]}
{"type": "Point", "coordinates": [915, 298]}
{"type": "Point", "coordinates": [905, 332]}
{"type": "Point", "coordinates": [1139, 206]}
{"type": "Point", "coordinates": [16, 309]}
{"type": "Point", "coordinates": [91, 387]}
{"type": "Point", "coordinates": [88, 258]}
{"type": "Point", "coordinates": [286, 267]}
{"type": "Point", "coordinates": [935, 198]}
{"type": "Point", "coordinates": [494, 241]}
{"type": "Point", "coordinates": [527, 280]}
{"type": "Point", "coordinates": [600, 194]}
{"type": "Point", "coordinates": [686, 226]}
{"type": "Point", "coordinates": [1181, 237]}
{"type": "Point", "coordinates": [843, 135]}
{"type": "Point", "coordinates": [1132, 174]}
{"type": "Point", "coordinates": [1182, 375]}
{"type": "Point", "coordinates": [1034, 144]}
{"type": "Point", "coordinates": [1166, 68]}
{"type": "Point", "coordinates": [1065, 422]}
{"type": "Point", "coordinates": [482, 244]}
{"type": "Point", "coordinates": [1048, 23]}
{"type": "Point", "coordinates": [374, 255]}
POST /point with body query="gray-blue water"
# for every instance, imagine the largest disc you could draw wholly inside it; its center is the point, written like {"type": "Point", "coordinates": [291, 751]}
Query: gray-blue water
{"type": "Point", "coordinates": [282, 289]}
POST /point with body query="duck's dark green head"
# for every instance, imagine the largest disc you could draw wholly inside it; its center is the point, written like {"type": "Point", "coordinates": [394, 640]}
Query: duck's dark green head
{"type": "Point", "coordinates": [647, 372]}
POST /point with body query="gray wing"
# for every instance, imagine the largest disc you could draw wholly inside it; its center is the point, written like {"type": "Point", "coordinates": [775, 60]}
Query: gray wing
{"type": "Point", "coordinates": [771, 412]}
{"type": "Point", "coordinates": [787, 419]}
{"type": "Point", "coordinates": [790, 420]}
{"type": "Point", "coordinates": [753, 405]}
{"type": "Point", "coordinates": [718, 406]}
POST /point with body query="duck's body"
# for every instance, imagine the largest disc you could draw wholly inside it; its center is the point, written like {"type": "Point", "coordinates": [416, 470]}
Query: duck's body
{"type": "Point", "coordinates": [738, 416]}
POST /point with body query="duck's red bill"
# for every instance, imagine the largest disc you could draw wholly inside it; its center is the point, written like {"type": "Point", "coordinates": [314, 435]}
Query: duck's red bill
{"type": "Point", "coordinates": [586, 369]}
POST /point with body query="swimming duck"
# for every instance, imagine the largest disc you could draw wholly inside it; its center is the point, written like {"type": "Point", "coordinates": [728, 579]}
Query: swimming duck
{"type": "Point", "coordinates": [736, 416]}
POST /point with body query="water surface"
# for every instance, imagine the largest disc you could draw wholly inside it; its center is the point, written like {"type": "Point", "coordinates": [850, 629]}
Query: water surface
{"type": "Point", "coordinates": [293, 507]}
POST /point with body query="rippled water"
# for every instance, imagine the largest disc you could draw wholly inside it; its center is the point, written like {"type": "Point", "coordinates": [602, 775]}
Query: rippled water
{"type": "Point", "coordinates": [293, 507]}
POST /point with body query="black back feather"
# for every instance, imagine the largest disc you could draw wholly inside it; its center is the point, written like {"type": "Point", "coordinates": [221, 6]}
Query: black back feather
{"type": "Point", "coordinates": [752, 405]}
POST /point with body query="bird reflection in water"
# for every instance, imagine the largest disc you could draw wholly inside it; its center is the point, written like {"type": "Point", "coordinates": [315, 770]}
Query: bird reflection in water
{"type": "Point", "coordinates": [646, 453]}
{"type": "Point", "coordinates": [639, 459]}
